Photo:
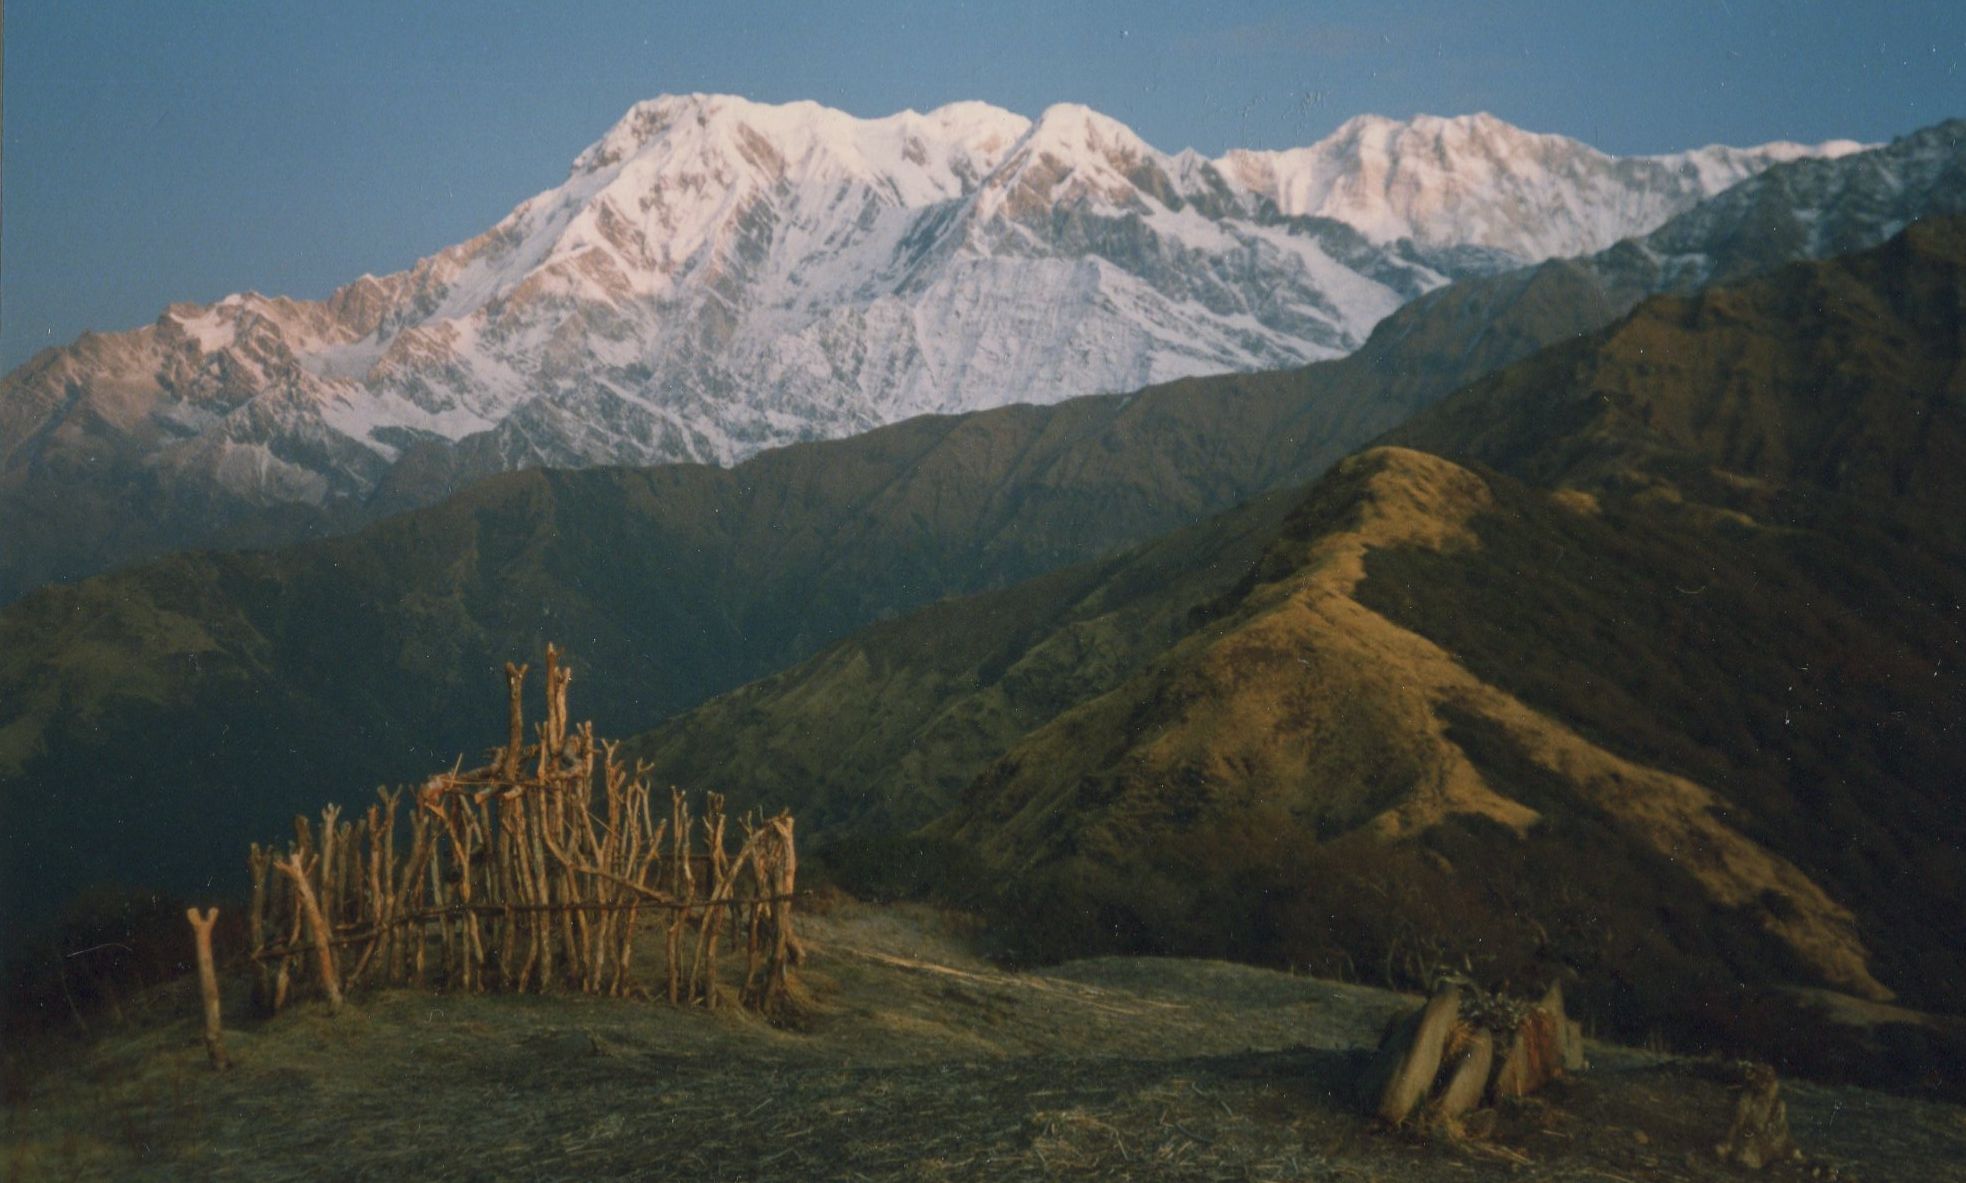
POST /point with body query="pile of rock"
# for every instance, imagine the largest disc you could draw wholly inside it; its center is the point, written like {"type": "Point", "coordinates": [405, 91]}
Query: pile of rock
{"type": "Point", "coordinates": [1465, 1048]}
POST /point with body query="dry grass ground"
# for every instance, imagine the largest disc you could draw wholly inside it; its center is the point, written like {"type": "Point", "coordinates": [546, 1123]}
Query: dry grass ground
{"type": "Point", "coordinates": [916, 1060]}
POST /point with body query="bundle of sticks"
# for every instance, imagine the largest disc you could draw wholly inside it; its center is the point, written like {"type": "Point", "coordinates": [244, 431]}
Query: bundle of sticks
{"type": "Point", "coordinates": [1466, 1047]}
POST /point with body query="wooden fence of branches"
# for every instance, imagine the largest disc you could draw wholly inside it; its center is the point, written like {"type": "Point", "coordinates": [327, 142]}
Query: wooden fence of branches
{"type": "Point", "coordinates": [545, 869]}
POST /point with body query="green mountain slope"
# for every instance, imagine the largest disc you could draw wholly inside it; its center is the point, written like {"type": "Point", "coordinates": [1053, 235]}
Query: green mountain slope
{"type": "Point", "coordinates": [1653, 677]}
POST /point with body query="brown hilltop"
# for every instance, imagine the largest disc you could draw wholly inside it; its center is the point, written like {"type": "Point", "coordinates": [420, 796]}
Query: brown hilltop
{"type": "Point", "coordinates": [1302, 699]}
{"type": "Point", "coordinates": [1607, 690]}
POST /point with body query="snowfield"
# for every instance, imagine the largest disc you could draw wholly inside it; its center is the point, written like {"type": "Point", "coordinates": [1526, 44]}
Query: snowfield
{"type": "Point", "coordinates": [716, 277]}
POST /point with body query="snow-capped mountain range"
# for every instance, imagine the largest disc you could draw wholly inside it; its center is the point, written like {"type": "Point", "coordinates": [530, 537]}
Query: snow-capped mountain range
{"type": "Point", "coordinates": [717, 276]}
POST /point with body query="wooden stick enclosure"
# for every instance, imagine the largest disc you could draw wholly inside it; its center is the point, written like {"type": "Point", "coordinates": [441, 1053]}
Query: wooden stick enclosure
{"type": "Point", "coordinates": [535, 872]}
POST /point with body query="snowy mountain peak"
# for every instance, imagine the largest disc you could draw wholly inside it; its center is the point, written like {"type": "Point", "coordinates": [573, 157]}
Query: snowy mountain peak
{"type": "Point", "coordinates": [1074, 154]}
{"type": "Point", "coordinates": [1381, 131]}
{"type": "Point", "coordinates": [916, 157]}
{"type": "Point", "coordinates": [1717, 166]}
{"type": "Point", "coordinates": [716, 276]}
{"type": "Point", "coordinates": [651, 119]}
{"type": "Point", "coordinates": [1074, 130]}
{"type": "Point", "coordinates": [1477, 180]}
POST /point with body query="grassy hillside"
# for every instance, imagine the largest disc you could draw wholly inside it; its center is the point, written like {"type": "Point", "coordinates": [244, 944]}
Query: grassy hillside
{"type": "Point", "coordinates": [919, 1060]}
{"type": "Point", "coordinates": [1672, 708]}
{"type": "Point", "coordinates": [1778, 583]}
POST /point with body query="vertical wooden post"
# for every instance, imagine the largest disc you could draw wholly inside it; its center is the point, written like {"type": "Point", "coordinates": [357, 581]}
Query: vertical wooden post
{"type": "Point", "coordinates": [563, 676]}
{"type": "Point", "coordinates": [550, 741]}
{"type": "Point", "coordinates": [761, 889]}
{"type": "Point", "coordinates": [438, 899]}
{"type": "Point", "coordinates": [537, 823]}
{"type": "Point", "coordinates": [410, 888]}
{"type": "Point", "coordinates": [683, 881]}
{"type": "Point", "coordinates": [467, 866]}
{"type": "Point", "coordinates": [291, 867]}
{"type": "Point", "coordinates": [506, 875]}
{"type": "Point", "coordinates": [260, 860]}
{"type": "Point", "coordinates": [515, 719]}
{"type": "Point", "coordinates": [392, 941]}
{"type": "Point", "coordinates": [283, 977]}
{"type": "Point", "coordinates": [330, 817]}
{"type": "Point", "coordinates": [788, 874]}
{"type": "Point", "coordinates": [201, 932]}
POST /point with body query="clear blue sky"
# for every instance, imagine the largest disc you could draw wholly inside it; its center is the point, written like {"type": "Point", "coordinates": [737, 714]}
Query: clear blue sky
{"type": "Point", "coordinates": [164, 151]}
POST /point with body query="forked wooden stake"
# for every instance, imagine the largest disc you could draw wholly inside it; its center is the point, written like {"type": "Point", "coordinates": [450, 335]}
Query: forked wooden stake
{"type": "Point", "coordinates": [201, 932]}
{"type": "Point", "coordinates": [318, 925]}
